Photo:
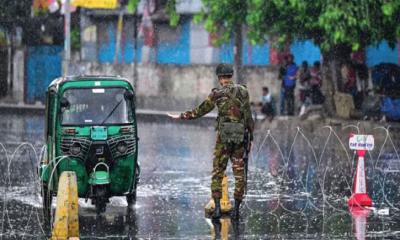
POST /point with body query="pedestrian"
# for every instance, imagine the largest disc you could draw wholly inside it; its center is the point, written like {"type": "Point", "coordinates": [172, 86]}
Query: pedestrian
{"type": "Point", "coordinates": [304, 76]}
{"type": "Point", "coordinates": [233, 121]}
{"type": "Point", "coordinates": [316, 83]}
{"type": "Point", "coordinates": [289, 82]}
{"type": "Point", "coordinates": [349, 78]}
{"type": "Point", "coordinates": [281, 75]}
{"type": "Point", "coordinates": [362, 83]}
{"type": "Point", "coordinates": [267, 104]}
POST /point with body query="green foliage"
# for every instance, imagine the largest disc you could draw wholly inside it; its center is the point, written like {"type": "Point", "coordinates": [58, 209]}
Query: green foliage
{"type": "Point", "coordinates": [171, 11]}
{"type": "Point", "coordinates": [218, 16]}
{"type": "Point", "coordinates": [3, 38]}
{"type": "Point", "coordinates": [222, 16]}
{"type": "Point", "coordinates": [329, 23]}
{"type": "Point", "coordinates": [75, 38]}
{"type": "Point", "coordinates": [132, 5]}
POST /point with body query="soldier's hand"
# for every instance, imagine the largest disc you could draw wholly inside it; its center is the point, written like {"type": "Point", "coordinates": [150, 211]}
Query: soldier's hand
{"type": "Point", "coordinates": [185, 115]}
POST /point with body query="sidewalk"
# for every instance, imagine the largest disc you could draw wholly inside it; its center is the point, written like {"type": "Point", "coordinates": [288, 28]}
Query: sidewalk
{"type": "Point", "coordinates": [21, 107]}
{"type": "Point", "coordinates": [40, 108]}
{"type": "Point", "coordinates": [157, 115]}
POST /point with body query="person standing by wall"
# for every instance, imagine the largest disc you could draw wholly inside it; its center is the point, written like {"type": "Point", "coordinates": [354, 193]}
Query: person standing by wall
{"type": "Point", "coordinates": [281, 75]}
{"type": "Point", "coordinates": [349, 78]}
{"type": "Point", "coordinates": [316, 83]}
{"type": "Point", "coordinates": [289, 82]}
{"type": "Point", "coordinates": [304, 77]}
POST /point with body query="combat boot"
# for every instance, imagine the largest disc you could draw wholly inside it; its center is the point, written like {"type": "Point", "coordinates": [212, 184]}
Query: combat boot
{"type": "Point", "coordinates": [217, 211]}
{"type": "Point", "coordinates": [236, 210]}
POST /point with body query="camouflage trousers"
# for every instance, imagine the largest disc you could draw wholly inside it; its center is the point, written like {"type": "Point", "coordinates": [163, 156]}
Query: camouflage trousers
{"type": "Point", "coordinates": [222, 154]}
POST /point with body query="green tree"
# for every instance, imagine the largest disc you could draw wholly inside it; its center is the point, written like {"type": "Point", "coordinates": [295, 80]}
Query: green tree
{"type": "Point", "coordinates": [225, 18]}
{"type": "Point", "coordinates": [338, 27]}
{"type": "Point", "coordinates": [329, 23]}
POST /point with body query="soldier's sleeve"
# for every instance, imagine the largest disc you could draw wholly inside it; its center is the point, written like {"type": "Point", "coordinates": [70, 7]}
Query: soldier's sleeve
{"type": "Point", "coordinates": [247, 115]}
{"type": "Point", "coordinates": [205, 107]}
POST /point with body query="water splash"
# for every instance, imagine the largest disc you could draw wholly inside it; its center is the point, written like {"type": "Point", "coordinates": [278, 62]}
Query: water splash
{"type": "Point", "coordinates": [290, 176]}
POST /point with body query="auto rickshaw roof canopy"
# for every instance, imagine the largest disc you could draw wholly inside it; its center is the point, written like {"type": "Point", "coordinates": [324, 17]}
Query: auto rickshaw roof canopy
{"type": "Point", "coordinates": [91, 81]}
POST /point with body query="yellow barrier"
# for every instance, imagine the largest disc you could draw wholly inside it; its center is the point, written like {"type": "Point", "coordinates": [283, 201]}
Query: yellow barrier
{"type": "Point", "coordinates": [66, 222]}
{"type": "Point", "coordinates": [226, 206]}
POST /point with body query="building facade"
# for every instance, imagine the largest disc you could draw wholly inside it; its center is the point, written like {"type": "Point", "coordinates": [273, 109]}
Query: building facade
{"type": "Point", "coordinates": [110, 46]}
{"type": "Point", "coordinates": [188, 43]}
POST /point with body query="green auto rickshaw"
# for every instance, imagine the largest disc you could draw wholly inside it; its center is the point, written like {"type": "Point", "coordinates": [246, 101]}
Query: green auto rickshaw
{"type": "Point", "coordinates": [90, 128]}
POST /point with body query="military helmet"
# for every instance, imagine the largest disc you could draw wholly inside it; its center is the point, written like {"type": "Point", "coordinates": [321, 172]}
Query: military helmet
{"type": "Point", "coordinates": [224, 70]}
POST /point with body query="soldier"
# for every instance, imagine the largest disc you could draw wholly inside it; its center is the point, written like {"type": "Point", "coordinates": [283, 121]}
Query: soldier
{"type": "Point", "coordinates": [234, 119]}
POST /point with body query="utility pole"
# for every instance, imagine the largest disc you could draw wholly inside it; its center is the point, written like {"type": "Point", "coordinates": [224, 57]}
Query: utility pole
{"type": "Point", "coordinates": [119, 35]}
{"type": "Point", "coordinates": [238, 53]}
{"type": "Point", "coordinates": [67, 37]}
{"type": "Point", "coordinates": [135, 54]}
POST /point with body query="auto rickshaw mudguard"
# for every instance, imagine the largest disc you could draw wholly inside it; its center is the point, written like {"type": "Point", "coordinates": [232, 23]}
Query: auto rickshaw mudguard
{"type": "Point", "coordinates": [99, 178]}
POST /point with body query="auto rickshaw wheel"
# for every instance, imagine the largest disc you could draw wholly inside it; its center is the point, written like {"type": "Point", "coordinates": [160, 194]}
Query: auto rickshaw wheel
{"type": "Point", "coordinates": [47, 199]}
{"type": "Point", "coordinates": [131, 197]}
{"type": "Point", "coordinates": [100, 198]}
{"type": "Point", "coordinates": [100, 206]}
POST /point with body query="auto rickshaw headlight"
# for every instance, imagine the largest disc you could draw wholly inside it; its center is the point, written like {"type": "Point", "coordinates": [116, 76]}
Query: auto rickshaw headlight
{"type": "Point", "coordinates": [75, 149]}
{"type": "Point", "coordinates": [122, 147]}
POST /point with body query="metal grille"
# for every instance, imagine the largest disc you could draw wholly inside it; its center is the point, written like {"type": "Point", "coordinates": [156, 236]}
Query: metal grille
{"type": "Point", "coordinates": [128, 139]}
{"type": "Point", "coordinates": [67, 142]}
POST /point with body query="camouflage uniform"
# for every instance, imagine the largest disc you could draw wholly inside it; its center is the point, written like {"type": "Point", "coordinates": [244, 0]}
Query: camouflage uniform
{"type": "Point", "coordinates": [233, 105]}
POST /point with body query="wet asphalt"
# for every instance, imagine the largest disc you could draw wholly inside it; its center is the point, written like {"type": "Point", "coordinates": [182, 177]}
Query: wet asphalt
{"type": "Point", "coordinates": [298, 186]}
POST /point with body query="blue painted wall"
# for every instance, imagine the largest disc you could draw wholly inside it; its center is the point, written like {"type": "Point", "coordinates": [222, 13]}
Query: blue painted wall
{"type": "Point", "coordinates": [176, 52]}
{"type": "Point", "coordinates": [107, 48]}
{"type": "Point", "coordinates": [382, 53]}
{"type": "Point", "coordinates": [43, 66]}
{"type": "Point", "coordinates": [226, 52]}
{"type": "Point", "coordinates": [255, 55]}
{"type": "Point", "coordinates": [252, 55]}
{"type": "Point", "coordinates": [126, 55]}
{"type": "Point", "coordinates": [305, 51]}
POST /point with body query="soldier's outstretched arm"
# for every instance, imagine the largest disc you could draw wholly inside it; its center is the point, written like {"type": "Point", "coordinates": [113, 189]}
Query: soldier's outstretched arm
{"type": "Point", "coordinates": [205, 107]}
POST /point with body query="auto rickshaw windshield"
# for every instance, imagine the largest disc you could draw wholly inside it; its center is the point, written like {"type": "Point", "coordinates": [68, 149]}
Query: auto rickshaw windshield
{"type": "Point", "coordinates": [96, 106]}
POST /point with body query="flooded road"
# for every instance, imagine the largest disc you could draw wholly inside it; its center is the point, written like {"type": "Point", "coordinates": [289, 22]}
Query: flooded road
{"type": "Point", "coordinates": [298, 186]}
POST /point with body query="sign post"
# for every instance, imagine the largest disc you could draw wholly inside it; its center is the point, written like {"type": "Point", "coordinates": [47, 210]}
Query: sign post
{"type": "Point", "coordinates": [67, 38]}
{"type": "Point", "coordinates": [360, 143]}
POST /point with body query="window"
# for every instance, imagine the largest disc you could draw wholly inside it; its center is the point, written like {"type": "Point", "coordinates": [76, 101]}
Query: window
{"type": "Point", "coordinates": [96, 106]}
